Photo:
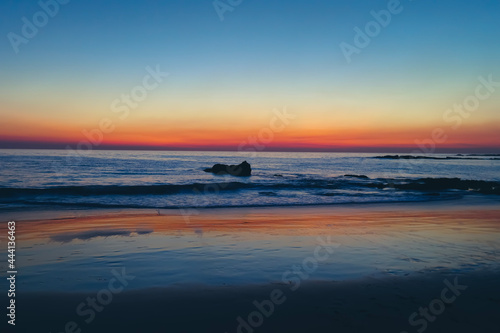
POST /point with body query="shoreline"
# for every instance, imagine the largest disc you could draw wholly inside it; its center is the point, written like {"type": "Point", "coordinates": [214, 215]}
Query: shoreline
{"type": "Point", "coordinates": [37, 213]}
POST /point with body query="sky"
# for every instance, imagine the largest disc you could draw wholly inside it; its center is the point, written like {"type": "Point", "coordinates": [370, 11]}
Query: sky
{"type": "Point", "coordinates": [346, 75]}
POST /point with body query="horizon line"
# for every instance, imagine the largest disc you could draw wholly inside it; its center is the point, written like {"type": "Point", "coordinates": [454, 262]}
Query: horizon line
{"type": "Point", "coordinates": [333, 149]}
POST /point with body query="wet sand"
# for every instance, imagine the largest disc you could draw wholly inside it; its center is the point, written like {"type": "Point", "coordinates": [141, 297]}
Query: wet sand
{"type": "Point", "coordinates": [359, 268]}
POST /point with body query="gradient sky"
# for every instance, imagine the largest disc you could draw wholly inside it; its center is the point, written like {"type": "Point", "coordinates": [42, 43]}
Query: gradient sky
{"type": "Point", "coordinates": [226, 77]}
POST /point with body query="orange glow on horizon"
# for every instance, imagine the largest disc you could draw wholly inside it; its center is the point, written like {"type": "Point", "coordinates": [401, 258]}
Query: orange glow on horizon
{"type": "Point", "coordinates": [245, 136]}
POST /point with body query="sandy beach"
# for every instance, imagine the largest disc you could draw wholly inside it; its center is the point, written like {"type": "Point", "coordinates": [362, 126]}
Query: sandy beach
{"type": "Point", "coordinates": [233, 166]}
{"type": "Point", "coordinates": [344, 268]}
{"type": "Point", "coordinates": [365, 305]}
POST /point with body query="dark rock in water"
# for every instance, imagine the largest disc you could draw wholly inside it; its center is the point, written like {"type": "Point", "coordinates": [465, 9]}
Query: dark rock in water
{"type": "Point", "coordinates": [241, 170]}
{"type": "Point", "coordinates": [443, 184]}
{"type": "Point", "coordinates": [457, 157]}
{"type": "Point", "coordinates": [357, 176]}
{"type": "Point", "coordinates": [268, 194]}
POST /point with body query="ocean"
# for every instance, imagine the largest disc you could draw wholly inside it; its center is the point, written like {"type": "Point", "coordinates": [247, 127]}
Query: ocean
{"type": "Point", "coordinates": [57, 179]}
{"type": "Point", "coordinates": [105, 216]}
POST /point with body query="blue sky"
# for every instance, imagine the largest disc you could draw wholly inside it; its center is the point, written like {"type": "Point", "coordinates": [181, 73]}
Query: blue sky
{"type": "Point", "coordinates": [275, 52]}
